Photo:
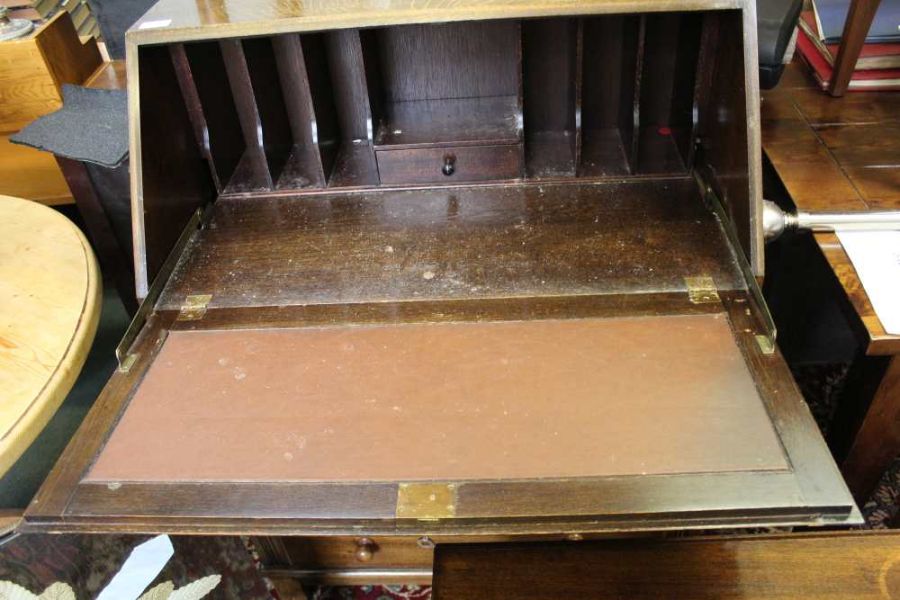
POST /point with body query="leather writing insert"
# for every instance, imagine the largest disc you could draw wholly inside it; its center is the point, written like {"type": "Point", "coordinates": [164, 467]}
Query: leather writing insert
{"type": "Point", "coordinates": [449, 401]}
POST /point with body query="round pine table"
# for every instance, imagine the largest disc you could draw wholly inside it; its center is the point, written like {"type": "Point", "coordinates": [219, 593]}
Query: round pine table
{"type": "Point", "coordinates": [50, 295]}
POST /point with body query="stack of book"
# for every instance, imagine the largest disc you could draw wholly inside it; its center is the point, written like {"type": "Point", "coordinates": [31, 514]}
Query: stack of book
{"type": "Point", "coordinates": [40, 10]}
{"type": "Point", "coordinates": [878, 67]}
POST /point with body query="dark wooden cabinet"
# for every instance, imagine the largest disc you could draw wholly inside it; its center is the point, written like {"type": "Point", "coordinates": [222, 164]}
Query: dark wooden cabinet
{"type": "Point", "coordinates": [483, 272]}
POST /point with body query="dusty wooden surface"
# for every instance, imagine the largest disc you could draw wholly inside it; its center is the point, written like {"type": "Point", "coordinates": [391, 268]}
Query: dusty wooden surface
{"type": "Point", "coordinates": [49, 308]}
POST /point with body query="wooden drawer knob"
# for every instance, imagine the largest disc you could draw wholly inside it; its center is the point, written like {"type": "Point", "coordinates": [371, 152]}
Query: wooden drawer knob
{"type": "Point", "coordinates": [365, 549]}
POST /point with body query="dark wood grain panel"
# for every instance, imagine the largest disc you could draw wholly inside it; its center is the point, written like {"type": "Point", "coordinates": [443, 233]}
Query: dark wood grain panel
{"type": "Point", "coordinates": [669, 67]}
{"type": "Point", "coordinates": [450, 122]}
{"type": "Point", "coordinates": [703, 83]}
{"type": "Point", "coordinates": [447, 311]}
{"type": "Point", "coordinates": [610, 74]}
{"type": "Point", "coordinates": [355, 83]}
{"type": "Point", "coordinates": [348, 79]}
{"type": "Point", "coordinates": [304, 166]}
{"type": "Point", "coordinates": [686, 103]}
{"type": "Point", "coordinates": [192, 102]}
{"type": "Point", "coordinates": [175, 176]}
{"type": "Point", "coordinates": [265, 80]}
{"type": "Point", "coordinates": [236, 500]}
{"type": "Point", "coordinates": [550, 65]}
{"type": "Point", "coordinates": [816, 474]}
{"type": "Point", "coordinates": [605, 153]}
{"type": "Point", "coordinates": [469, 163]}
{"type": "Point", "coordinates": [223, 133]}
{"type": "Point", "coordinates": [328, 133]}
{"type": "Point", "coordinates": [354, 166]}
{"type": "Point", "coordinates": [724, 137]}
{"type": "Point", "coordinates": [434, 62]}
{"type": "Point", "coordinates": [658, 150]}
{"type": "Point", "coordinates": [551, 154]}
{"type": "Point", "coordinates": [859, 565]}
{"type": "Point", "coordinates": [476, 242]}
{"type": "Point", "coordinates": [252, 173]}
{"type": "Point", "coordinates": [659, 68]}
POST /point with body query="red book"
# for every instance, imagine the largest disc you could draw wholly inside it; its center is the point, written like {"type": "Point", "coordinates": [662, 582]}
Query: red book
{"type": "Point", "coordinates": [881, 79]}
{"type": "Point", "coordinates": [873, 56]}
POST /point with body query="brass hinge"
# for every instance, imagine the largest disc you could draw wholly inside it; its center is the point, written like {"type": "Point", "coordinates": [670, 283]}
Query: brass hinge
{"type": "Point", "coordinates": [766, 340]}
{"type": "Point", "coordinates": [129, 361]}
{"type": "Point", "coordinates": [766, 344]}
{"type": "Point", "coordinates": [194, 307]}
{"type": "Point", "coordinates": [426, 501]}
{"type": "Point", "coordinates": [148, 305]}
{"type": "Point", "coordinates": [701, 290]}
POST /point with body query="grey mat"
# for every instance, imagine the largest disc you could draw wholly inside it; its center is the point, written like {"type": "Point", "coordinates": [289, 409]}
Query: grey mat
{"type": "Point", "coordinates": [92, 126]}
{"type": "Point", "coordinates": [114, 17]}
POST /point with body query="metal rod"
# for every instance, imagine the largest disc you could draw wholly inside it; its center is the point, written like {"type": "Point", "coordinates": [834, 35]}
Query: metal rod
{"type": "Point", "coordinates": [866, 220]}
{"type": "Point", "coordinates": [776, 221]}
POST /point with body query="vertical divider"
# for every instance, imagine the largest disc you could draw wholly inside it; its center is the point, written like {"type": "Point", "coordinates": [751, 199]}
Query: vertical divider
{"type": "Point", "coordinates": [194, 107]}
{"type": "Point", "coordinates": [304, 167]}
{"type": "Point", "coordinates": [579, 80]}
{"type": "Point", "coordinates": [668, 94]}
{"type": "Point", "coordinates": [277, 138]}
{"type": "Point", "coordinates": [709, 40]}
{"type": "Point", "coordinates": [203, 80]}
{"type": "Point", "coordinates": [631, 120]}
{"type": "Point", "coordinates": [550, 82]}
{"type": "Point", "coordinates": [252, 173]}
{"type": "Point", "coordinates": [348, 78]}
{"type": "Point", "coordinates": [356, 109]}
{"type": "Point", "coordinates": [610, 83]}
{"type": "Point", "coordinates": [327, 132]}
{"type": "Point", "coordinates": [520, 96]}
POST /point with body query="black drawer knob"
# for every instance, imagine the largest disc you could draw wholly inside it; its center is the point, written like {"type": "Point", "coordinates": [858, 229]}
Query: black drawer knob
{"type": "Point", "coordinates": [449, 167]}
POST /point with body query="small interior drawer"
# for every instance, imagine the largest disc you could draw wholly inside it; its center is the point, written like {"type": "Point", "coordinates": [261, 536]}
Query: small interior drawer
{"type": "Point", "coordinates": [445, 165]}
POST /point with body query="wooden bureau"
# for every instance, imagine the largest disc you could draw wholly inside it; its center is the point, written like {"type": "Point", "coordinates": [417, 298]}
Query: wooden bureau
{"type": "Point", "coordinates": [472, 272]}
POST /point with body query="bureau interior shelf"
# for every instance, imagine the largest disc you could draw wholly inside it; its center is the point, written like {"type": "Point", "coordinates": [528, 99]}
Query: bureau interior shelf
{"type": "Point", "coordinates": [449, 122]}
{"type": "Point", "coordinates": [640, 236]}
{"type": "Point", "coordinates": [592, 97]}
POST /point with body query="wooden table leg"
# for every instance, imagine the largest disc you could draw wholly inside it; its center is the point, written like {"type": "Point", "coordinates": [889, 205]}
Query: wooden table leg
{"type": "Point", "coordinates": [856, 29]}
{"type": "Point", "coordinates": [877, 443]}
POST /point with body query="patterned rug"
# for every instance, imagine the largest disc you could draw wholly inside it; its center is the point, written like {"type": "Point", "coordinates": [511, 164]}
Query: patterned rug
{"type": "Point", "coordinates": [371, 592]}
{"type": "Point", "coordinates": [87, 563]}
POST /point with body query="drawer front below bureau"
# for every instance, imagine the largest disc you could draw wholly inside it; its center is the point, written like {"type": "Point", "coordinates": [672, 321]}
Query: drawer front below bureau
{"type": "Point", "coordinates": [447, 165]}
